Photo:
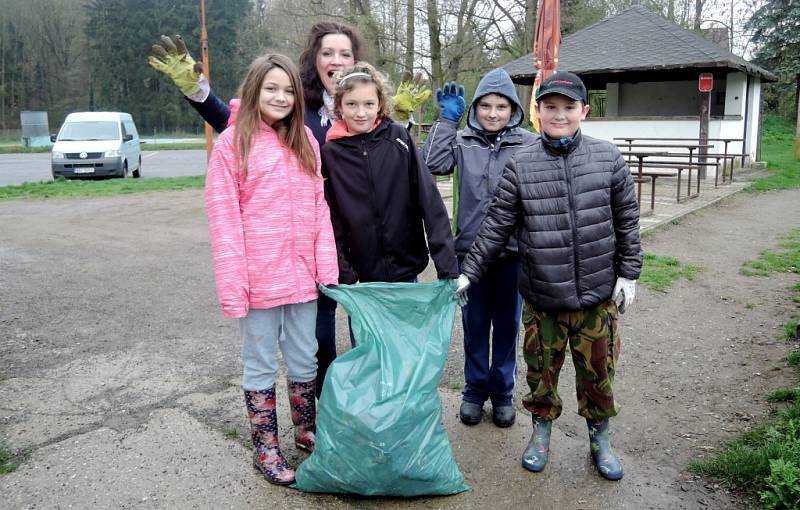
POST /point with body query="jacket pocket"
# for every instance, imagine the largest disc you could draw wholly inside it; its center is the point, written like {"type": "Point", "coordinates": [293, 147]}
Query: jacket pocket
{"type": "Point", "coordinates": [533, 350]}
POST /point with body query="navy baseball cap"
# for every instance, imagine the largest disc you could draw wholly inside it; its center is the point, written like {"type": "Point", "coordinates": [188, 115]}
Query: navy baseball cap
{"type": "Point", "coordinates": [564, 83]}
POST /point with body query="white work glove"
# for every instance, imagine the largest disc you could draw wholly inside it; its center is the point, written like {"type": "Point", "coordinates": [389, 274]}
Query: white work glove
{"type": "Point", "coordinates": [624, 292]}
{"type": "Point", "coordinates": [461, 292]}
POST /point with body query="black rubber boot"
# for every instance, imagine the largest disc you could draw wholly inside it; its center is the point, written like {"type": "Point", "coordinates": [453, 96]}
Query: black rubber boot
{"type": "Point", "coordinates": [504, 416]}
{"type": "Point", "coordinates": [470, 413]}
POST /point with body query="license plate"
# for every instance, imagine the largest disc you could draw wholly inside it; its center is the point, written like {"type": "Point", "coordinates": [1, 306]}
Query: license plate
{"type": "Point", "coordinates": [85, 170]}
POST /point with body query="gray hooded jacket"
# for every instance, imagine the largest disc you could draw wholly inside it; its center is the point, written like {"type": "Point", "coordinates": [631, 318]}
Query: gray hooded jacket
{"type": "Point", "coordinates": [480, 162]}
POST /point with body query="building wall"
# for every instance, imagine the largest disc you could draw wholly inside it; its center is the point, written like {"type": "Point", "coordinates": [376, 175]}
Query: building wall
{"type": "Point", "coordinates": [754, 125]}
{"type": "Point", "coordinates": [668, 98]}
{"type": "Point", "coordinates": [670, 110]}
{"type": "Point", "coordinates": [735, 94]}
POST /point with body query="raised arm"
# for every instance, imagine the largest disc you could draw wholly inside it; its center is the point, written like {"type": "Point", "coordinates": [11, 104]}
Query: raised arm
{"type": "Point", "coordinates": [173, 60]}
{"type": "Point", "coordinates": [437, 151]}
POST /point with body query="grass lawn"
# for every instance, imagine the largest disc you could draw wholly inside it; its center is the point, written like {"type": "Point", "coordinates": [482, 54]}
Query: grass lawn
{"type": "Point", "coordinates": [63, 188]}
{"type": "Point", "coordinates": [777, 148]}
{"type": "Point", "coordinates": [18, 149]}
{"type": "Point", "coordinates": [659, 272]}
{"type": "Point", "coordinates": [7, 464]}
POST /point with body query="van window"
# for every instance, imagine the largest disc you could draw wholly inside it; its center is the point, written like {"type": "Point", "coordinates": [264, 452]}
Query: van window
{"type": "Point", "coordinates": [129, 128]}
{"type": "Point", "coordinates": [90, 130]}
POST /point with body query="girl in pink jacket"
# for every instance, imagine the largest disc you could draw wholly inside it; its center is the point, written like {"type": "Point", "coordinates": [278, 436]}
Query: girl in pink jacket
{"type": "Point", "coordinates": [272, 243]}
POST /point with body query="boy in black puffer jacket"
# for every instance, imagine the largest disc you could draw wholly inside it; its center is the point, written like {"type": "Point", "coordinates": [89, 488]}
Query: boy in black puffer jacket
{"type": "Point", "coordinates": [571, 201]}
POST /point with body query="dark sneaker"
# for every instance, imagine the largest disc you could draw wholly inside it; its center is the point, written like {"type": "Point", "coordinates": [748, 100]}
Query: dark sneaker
{"type": "Point", "coordinates": [503, 416]}
{"type": "Point", "coordinates": [470, 413]}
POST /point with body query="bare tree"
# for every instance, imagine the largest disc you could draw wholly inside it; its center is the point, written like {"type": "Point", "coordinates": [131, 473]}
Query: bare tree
{"type": "Point", "coordinates": [408, 72]}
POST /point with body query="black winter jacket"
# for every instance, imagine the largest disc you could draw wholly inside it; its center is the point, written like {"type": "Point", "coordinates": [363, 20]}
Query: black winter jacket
{"type": "Point", "coordinates": [577, 221]}
{"type": "Point", "coordinates": [383, 202]}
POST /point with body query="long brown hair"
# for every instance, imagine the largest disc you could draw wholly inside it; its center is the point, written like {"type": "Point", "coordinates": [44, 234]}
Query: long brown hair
{"type": "Point", "coordinates": [290, 129]}
{"type": "Point", "coordinates": [308, 59]}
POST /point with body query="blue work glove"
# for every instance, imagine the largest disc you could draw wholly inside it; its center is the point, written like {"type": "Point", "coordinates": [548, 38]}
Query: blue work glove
{"type": "Point", "coordinates": [451, 101]}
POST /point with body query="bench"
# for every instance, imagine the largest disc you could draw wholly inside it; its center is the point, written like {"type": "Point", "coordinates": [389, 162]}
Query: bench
{"type": "Point", "coordinates": [640, 178]}
{"type": "Point", "coordinates": [652, 169]}
{"type": "Point", "coordinates": [672, 169]}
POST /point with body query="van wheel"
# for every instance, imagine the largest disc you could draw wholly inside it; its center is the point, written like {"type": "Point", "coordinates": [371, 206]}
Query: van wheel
{"type": "Point", "coordinates": [124, 170]}
{"type": "Point", "coordinates": [138, 172]}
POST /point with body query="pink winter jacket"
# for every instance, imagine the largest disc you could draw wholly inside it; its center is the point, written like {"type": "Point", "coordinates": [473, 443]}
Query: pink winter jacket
{"type": "Point", "coordinates": [271, 234]}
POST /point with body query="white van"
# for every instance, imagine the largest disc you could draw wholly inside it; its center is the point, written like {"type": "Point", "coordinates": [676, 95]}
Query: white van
{"type": "Point", "coordinates": [97, 144]}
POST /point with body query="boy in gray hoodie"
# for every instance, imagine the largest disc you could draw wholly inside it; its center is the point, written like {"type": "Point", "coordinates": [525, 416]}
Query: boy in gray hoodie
{"type": "Point", "coordinates": [478, 153]}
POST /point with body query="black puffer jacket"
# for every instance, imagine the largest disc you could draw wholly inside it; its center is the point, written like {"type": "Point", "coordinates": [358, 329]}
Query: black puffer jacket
{"type": "Point", "coordinates": [577, 220]}
{"type": "Point", "coordinates": [384, 204]}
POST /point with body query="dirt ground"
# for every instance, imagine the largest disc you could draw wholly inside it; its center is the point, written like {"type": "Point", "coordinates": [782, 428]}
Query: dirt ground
{"type": "Point", "coordinates": [119, 377]}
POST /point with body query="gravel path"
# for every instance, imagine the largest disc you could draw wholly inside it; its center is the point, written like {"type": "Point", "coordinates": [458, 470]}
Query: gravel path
{"type": "Point", "coordinates": [120, 377]}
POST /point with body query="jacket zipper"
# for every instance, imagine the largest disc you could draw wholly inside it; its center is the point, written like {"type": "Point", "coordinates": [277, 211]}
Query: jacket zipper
{"type": "Point", "coordinates": [375, 209]}
{"type": "Point", "coordinates": [572, 219]}
{"type": "Point", "coordinates": [492, 157]}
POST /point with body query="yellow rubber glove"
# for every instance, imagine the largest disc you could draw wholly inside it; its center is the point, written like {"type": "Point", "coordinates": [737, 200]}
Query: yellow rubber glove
{"type": "Point", "coordinates": [175, 62]}
{"type": "Point", "coordinates": [409, 97]}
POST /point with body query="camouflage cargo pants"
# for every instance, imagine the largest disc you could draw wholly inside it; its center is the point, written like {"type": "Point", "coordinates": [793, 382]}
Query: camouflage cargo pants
{"type": "Point", "coordinates": [594, 343]}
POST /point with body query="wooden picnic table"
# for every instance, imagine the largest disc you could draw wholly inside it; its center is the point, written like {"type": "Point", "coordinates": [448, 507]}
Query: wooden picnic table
{"type": "Point", "coordinates": [668, 139]}
{"type": "Point", "coordinates": [691, 147]}
{"type": "Point", "coordinates": [679, 166]}
{"type": "Point", "coordinates": [726, 141]}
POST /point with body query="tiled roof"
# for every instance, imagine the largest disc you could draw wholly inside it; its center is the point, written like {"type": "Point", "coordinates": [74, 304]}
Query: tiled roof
{"type": "Point", "coordinates": [637, 40]}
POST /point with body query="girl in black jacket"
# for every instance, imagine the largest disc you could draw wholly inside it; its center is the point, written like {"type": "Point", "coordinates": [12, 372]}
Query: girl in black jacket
{"type": "Point", "coordinates": [384, 203]}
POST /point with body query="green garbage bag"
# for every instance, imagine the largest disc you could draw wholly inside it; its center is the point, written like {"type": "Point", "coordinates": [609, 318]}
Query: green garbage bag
{"type": "Point", "coordinates": [379, 425]}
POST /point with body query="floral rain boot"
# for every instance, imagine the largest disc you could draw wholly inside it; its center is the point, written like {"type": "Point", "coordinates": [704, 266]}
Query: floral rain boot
{"type": "Point", "coordinates": [606, 462]}
{"type": "Point", "coordinates": [535, 456]}
{"type": "Point", "coordinates": [304, 413]}
{"type": "Point", "coordinates": [267, 456]}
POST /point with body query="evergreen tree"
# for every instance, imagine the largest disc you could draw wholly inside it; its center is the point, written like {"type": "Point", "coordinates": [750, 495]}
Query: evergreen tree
{"type": "Point", "coordinates": [120, 33]}
{"type": "Point", "coordinates": [776, 34]}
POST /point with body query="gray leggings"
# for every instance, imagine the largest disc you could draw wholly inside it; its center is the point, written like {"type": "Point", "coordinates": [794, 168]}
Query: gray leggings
{"type": "Point", "coordinates": [293, 327]}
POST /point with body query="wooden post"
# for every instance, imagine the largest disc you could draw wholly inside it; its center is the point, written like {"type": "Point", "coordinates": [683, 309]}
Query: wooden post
{"type": "Point", "coordinates": [705, 117]}
{"type": "Point", "coordinates": [206, 72]}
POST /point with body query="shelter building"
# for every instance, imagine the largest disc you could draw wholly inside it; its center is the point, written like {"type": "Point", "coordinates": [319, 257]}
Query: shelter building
{"type": "Point", "coordinates": [642, 74]}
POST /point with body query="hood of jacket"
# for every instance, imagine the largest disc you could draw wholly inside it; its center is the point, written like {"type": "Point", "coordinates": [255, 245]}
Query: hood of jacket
{"type": "Point", "coordinates": [496, 81]}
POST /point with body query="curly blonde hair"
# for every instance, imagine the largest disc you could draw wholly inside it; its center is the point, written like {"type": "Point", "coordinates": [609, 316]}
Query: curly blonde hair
{"type": "Point", "coordinates": [345, 83]}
